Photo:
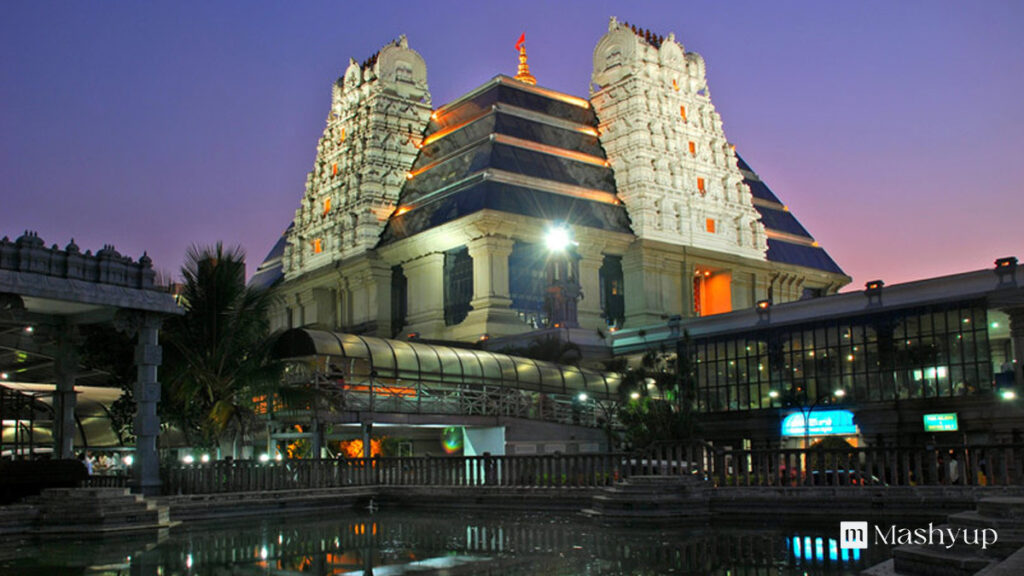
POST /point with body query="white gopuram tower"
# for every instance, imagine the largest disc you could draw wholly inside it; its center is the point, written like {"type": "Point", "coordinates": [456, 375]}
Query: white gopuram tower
{"type": "Point", "coordinates": [379, 110]}
{"type": "Point", "coordinates": [674, 169]}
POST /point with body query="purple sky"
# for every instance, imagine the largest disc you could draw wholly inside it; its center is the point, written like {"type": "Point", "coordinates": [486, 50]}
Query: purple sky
{"type": "Point", "coordinates": [893, 130]}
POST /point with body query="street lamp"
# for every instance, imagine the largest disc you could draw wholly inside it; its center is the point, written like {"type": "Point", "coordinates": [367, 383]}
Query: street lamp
{"type": "Point", "coordinates": [558, 238]}
{"type": "Point", "coordinates": [838, 393]}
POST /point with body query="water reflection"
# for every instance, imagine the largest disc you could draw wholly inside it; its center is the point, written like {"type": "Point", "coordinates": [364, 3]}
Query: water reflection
{"type": "Point", "coordinates": [396, 543]}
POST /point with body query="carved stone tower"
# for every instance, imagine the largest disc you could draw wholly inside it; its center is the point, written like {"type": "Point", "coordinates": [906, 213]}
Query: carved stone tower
{"type": "Point", "coordinates": [379, 110]}
{"type": "Point", "coordinates": [674, 169]}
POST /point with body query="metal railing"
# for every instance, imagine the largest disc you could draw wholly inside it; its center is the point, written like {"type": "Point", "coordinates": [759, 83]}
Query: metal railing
{"type": "Point", "coordinates": [418, 397]}
{"type": "Point", "coordinates": [853, 468]}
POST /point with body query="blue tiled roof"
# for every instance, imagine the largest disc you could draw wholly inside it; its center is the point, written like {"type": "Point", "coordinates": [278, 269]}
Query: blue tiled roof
{"type": "Point", "coordinates": [272, 268]}
{"type": "Point", "coordinates": [800, 255]}
{"type": "Point", "coordinates": [780, 220]}
{"type": "Point", "coordinates": [483, 194]}
{"type": "Point", "coordinates": [476, 136]}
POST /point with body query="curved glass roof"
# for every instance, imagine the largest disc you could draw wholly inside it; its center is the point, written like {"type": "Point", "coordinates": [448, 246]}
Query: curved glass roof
{"type": "Point", "coordinates": [445, 364]}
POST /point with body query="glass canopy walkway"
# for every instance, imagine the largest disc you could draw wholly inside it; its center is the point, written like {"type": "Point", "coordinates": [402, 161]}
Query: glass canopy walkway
{"type": "Point", "coordinates": [362, 373]}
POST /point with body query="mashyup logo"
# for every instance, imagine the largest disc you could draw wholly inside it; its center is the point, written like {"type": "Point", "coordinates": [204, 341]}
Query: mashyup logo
{"type": "Point", "coordinates": [855, 535]}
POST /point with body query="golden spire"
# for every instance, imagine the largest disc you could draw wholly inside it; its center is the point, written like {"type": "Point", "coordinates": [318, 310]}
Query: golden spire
{"type": "Point", "coordinates": [523, 75]}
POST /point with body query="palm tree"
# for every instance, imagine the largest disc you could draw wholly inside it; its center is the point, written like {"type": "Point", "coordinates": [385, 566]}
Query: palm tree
{"type": "Point", "coordinates": [656, 399]}
{"type": "Point", "coordinates": [218, 352]}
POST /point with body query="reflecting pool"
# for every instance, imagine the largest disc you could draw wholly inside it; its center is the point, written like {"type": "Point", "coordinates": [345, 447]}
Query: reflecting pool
{"type": "Point", "coordinates": [388, 543]}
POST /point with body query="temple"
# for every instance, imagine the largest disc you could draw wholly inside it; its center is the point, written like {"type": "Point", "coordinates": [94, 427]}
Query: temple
{"type": "Point", "coordinates": [517, 209]}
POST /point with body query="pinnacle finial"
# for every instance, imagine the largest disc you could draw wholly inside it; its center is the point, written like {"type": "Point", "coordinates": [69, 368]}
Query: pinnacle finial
{"type": "Point", "coordinates": [523, 74]}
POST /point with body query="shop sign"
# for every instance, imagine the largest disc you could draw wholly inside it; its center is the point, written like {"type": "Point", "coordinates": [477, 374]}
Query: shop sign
{"type": "Point", "coordinates": [822, 423]}
{"type": "Point", "coordinates": [941, 422]}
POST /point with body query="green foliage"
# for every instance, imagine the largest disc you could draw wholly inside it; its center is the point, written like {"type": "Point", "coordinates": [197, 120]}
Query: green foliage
{"type": "Point", "coordinates": [106, 349]}
{"type": "Point", "coordinates": [657, 400]}
{"type": "Point", "coordinates": [217, 356]}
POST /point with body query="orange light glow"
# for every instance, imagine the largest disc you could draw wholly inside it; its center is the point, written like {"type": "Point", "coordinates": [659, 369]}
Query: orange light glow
{"type": "Point", "coordinates": [334, 169]}
{"type": "Point", "coordinates": [709, 224]}
{"type": "Point", "coordinates": [383, 390]}
{"type": "Point", "coordinates": [318, 245]}
{"type": "Point", "coordinates": [700, 185]}
{"type": "Point", "coordinates": [327, 205]}
{"type": "Point", "coordinates": [682, 112]}
{"type": "Point", "coordinates": [354, 448]}
{"type": "Point", "coordinates": [434, 115]}
{"type": "Point", "coordinates": [342, 140]}
{"type": "Point", "coordinates": [693, 148]}
{"type": "Point", "coordinates": [408, 175]}
{"type": "Point", "coordinates": [675, 85]}
{"type": "Point", "coordinates": [401, 210]}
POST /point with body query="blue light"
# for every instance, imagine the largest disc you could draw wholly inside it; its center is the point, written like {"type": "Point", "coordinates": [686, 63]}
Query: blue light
{"type": "Point", "coordinates": [823, 423]}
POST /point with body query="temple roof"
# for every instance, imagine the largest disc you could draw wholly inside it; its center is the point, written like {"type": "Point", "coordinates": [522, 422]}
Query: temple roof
{"type": "Point", "coordinates": [511, 147]}
{"type": "Point", "coordinates": [788, 241]}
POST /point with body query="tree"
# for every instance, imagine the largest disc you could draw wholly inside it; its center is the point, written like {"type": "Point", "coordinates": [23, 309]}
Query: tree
{"type": "Point", "coordinates": [218, 352]}
{"type": "Point", "coordinates": [657, 399]}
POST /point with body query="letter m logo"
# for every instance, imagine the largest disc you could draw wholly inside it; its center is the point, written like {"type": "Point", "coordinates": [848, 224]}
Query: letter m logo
{"type": "Point", "coordinates": [853, 535]}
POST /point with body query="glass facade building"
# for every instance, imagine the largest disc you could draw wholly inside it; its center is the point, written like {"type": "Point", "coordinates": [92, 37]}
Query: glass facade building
{"type": "Point", "coordinates": [931, 352]}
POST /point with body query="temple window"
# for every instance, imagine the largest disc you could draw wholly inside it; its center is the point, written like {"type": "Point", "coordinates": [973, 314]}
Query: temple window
{"type": "Point", "coordinates": [458, 285]}
{"type": "Point", "coordinates": [613, 304]}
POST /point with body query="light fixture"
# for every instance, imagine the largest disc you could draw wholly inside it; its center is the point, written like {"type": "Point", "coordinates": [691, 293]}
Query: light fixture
{"type": "Point", "coordinates": [773, 394]}
{"type": "Point", "coordinates": [264, 457]}
{"type": "Point", "coordinates": [128, 460]}
{"type": "Point", "coordinates": [204, 458]}
{"type": "Point", "coordinates": [582, 397]}
{"type": "Point", "coordinates": [1009, 262]}
{"type": "Point", "coordinates": [188, 459]}
{"type": "Point", "coordinates": [635, 395]}
{"type": "Point", "coordinates": [29, 329]}
{"type": "Point", "coordinates": [764, 304]}
{"type": "Point", "coordinates": [4, 375]}
{"type": "Point", "coordinates": [874, 286]}
{"type": "Point", "coordinates": [1008, 394]}
{"type": "Point", "coordinates": [558, 238]}
{"type": "Point", "coordinates": [839, 393]}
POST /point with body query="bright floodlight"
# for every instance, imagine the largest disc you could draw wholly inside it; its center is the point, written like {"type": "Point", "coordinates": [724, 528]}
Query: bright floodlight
{"type": "Point", "coordinates": [1008, 394]}
{"type": "Point", "coordinates": [583, 396]}
{"type": "Point", "coordinates": [635, 395]}
{"type": "Point", "coordinates": [773, 393]}
{"type": "Point", "coordinates": [558, 238]}
{"type": "Point", "coordinates": [264, 457]}
{"type": "Point", "coordinates": [188, 459]}
{"type": "Point", "coordinates": [840, 393]}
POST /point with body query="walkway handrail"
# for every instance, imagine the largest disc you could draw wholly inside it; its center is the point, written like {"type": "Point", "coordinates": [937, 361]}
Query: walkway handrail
{"type": "Point", "coordinates": [852, 468]}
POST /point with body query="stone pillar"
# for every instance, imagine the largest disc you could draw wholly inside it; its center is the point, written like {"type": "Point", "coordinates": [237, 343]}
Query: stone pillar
{"type": "Point", "coordinates": [491, 312]}
{"type": "Point", "coordinates": [148, 356]}
{"type": "Point", "coordinates": [641, 273]}
{"type": "Point", "coordinates": [589, 311]}
{"type": "Point", "coordinates": [1017, 338]}
{"type": "Point", "coordinates": [425, 277]}
{"type": "Point", "coordinates": [64, 399]}
{"type": "Point", "coordinates": [379, 287]}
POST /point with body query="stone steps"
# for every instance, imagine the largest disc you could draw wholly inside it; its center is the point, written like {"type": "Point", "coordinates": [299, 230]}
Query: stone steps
{"type": "Point", "coordinates": [651, 499]}
{"type": "Point", "coordinates": [92, 510]}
